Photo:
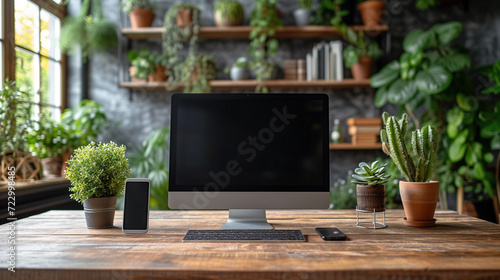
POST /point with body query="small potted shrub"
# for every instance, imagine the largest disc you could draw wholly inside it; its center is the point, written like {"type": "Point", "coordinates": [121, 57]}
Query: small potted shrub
{"type": "Point", "coordinates": [47, 142]}
{"type": "Point", "coordinates": [146, 65]}
{"type": "Point", "coordinates": [360, 56]}
{"type": "Point", "coordinates": [228, 13]}
{"type": "Point", "coordinates": [371, 11]}
{"type": "Point", "coordinates": [370, 180]}
{"type": "Point", "coordinates": [239, 70]}
{"type": "Point", "coordinates": [303, 14]}
{"type": "Point", "coordinates": [197, 72]}
{"type": "Point", "coordinates": [97, 173]}
{"type": "Point", "coordinates": [140, 12]}
{"type": "Point", "coordinates": [418, 193]}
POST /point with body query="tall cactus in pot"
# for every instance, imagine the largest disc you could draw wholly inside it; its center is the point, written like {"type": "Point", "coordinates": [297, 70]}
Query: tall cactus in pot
{"type": "Point", "coordinates": [418, 193]}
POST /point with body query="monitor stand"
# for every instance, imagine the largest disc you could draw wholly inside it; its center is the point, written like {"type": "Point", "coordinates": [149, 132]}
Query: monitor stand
{"type": "Point", "coordinates": [247, 219]}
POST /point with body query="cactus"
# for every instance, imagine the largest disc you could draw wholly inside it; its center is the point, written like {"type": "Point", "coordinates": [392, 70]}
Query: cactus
{"type": "Point", "coordinates": [424, 144]}
{"type": "Point", "coordinates": [370, 174]}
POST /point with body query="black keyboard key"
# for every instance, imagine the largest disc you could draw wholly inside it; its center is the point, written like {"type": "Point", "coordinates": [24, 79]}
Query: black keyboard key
{"type": "Point", "coordinates": [244, 235]}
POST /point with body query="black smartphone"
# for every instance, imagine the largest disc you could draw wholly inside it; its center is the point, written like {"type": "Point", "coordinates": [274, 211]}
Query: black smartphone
{"type": "Point", "coordinates": [136, 206]}
{"type": "Point", "coordinates": [331, 234]}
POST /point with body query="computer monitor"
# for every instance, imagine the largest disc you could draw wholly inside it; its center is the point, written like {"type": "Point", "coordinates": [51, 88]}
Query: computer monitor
{"type": "Point", "coordinates": [248, 153]}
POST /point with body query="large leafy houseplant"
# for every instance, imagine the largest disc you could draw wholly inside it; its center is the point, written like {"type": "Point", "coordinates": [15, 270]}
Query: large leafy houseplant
{"type": "Point", "coordinates": [90, 33]}
{"type": "Point", "coordinates": [262, 47]}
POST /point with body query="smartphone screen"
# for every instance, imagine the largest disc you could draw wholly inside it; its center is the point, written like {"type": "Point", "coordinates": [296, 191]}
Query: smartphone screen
{"type": "Point", "coordinates": [136, 206]}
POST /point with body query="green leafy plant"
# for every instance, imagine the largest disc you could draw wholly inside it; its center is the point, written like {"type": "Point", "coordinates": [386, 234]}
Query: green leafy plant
{"type": "Point", "coordinates": [325, 12]}
{"type": "Point", "coordinates": [241, 62]}
{"type": "Point", "coordinates": [305, 4]}
{"type": "Point", "coordinates": [370, 174]}
{"type": "Point", "coordinates": [84, 123]}
{"type": "Point", "coordinates": [145, 62]}
{"type": "Point", "coordinates": [230, 9]}
{"type": "Point", "coordinates": [89, 32]}
{"type": "Point", "coordinates": [15, 117]}
{"type": "Point", "coordinates": [424, 142]}
{"type": "Point", "coordinates": [129, 5]}
{"type": "Point", "coordinates": [150, 161]}
{"type": "Point", "coordinates": [425, 4]}
{"type": "Point", "coordinates": [49, 139]}
{"type": "Point", "coordinates": [264, 22]}
{"type": "Point", "coordinates": [343, 193]}
{"type": "Point", "coordinates": [490, 117]}
{"type": "Point", "coordinates": [97, 170]}
{"type": "Point", "coordinates": [197, 72]}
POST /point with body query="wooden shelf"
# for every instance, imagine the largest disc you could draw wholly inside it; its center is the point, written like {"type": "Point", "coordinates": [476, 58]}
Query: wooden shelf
{"type": "Point", "coordinates": [351, 146]}
{"type": "Point", "coordinates": [251, 84]}
{"type": "Point", "coordinates": [242, 32]}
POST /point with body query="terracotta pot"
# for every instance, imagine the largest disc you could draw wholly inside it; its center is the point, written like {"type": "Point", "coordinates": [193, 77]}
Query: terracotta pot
{"type": "Point", "coordinates": [141, 18]}
{"type": "Point", "coordinates": [371, 12]}
{"type": "Point", "coordinates": [184, 17]}
{"type": "Point", "coordinates": [371, 197]}
{"type": "Point", "coordinates": [100, 212]}
{"type": "Point", "coordinates": [419, 202]}
{"type": "Point", "coordinates": [159, 75]}
{"type": "Point", "coordinates": [131, 71]}
{"type": "Point", "coordinates": [363, 69]}
{"type": "Point", "coordinates": [222, 20]}
{"type": "Point", "coordinates": [65, 157]}
{"type": "Point", "coordinates": [52, 167]}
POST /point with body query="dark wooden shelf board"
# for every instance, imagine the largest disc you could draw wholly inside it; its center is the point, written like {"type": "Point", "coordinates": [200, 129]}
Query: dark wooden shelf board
{"type": "Point", "coordinates": [351, 146]}
{"type": "Point", "coordinates": [242, 32]}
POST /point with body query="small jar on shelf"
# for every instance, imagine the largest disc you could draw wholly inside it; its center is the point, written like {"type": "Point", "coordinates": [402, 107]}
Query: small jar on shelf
{"type": "Point", "coordinates": [336, 136]}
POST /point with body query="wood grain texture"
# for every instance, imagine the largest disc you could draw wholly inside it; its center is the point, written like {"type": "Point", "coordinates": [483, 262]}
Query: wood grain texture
{"type": "Point", "coordinates": [57, 245]}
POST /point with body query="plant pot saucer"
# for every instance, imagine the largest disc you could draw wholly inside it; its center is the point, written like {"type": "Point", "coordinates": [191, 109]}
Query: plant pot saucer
{"type": "Point", "coordinates": [419, 223]}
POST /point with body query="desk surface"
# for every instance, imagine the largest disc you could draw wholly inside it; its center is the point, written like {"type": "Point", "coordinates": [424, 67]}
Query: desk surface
{"type": "Point", "coordinates": [58, 245]}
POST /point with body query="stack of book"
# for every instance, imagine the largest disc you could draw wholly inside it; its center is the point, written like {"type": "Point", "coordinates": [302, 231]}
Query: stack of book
{"type": "Point", "coordinates": [364, 130]}
{"type": "Point", "coordinates": [290, 69]}
{"type": "Point", "coordinates": [325, 62]}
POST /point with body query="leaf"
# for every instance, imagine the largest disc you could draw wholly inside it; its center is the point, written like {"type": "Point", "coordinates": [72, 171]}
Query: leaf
{"type": "Point", "coordinates": [495, 142]}
{"type": "Point", "coordinates": [381, 96]}
{"type": "Point", "coordinates": [455, 116]}
{"type": "Point", "coordinates": [447, 32]}
{"type": "Point", "coordinates": [470, 157]}
{"type": "Point", "coordinates": [479, 172]}
{"type": "Point", "coordinates": [488, 157]}
{"type": "Point", "coordinates": [401, 92]}
{"type": "Point", "coordinates": [457, 148]}
{"type": "Point", "coordinates": [416, 40]}
{"type": "Point", "coordinates": [464, 102]}
{"type": "Point", "coordinates": [452, 131]}
{"type": "Point", "coordinates": [434, 80]}
{"type": "Point", "coordinates": [453, 63]}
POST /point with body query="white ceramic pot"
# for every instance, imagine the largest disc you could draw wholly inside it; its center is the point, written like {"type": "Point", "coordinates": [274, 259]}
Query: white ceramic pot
{"type": "Point", "coordinates": [302, 17]}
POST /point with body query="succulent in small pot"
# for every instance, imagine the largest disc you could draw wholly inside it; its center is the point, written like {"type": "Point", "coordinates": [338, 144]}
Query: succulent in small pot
{"type": "Point", "coordinates": [370, 179]}
{"type": "Point", "coordinates": [303, 14]}
{"type": "Point", "coordinates": [228, 13]}
{"type": "Point", "coordinates": [97, 173]}
{"type": "Point", "coordinates": [140, 12]}
{"type": "Point", "coordinates": [418, 193]}
{"type": "Point", "coordinates": [239, 70]}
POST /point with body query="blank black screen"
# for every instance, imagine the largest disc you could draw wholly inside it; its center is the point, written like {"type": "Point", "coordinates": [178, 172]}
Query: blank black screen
{"type": "Point", "coordinates": [249, 143]}
{"type": "Point", "coordinates": [136, 205]}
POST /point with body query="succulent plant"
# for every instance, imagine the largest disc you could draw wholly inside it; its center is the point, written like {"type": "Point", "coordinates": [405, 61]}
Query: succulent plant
{"type": "Point", "coordinates": [370, 174]}
{"type": "Point", "coordinates": [424, 142]}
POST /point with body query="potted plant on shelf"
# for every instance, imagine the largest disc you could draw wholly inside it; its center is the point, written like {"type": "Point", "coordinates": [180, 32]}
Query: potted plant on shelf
{"type": "Point", "coordinates": [418, 194]}
{"type": "Point", "coordinates": [47, 142]}
{"type": "Point", "coordinates": [360, 56]}
{"type": "Point", "coordinates": [97, 173]}
{"type": "Point", "coordinates": [140, 12]}
{"type": "Point", "coordinates": [150, 66]}
{"type": "Point", "coordinates": [239, 69]}
{"type": "Point", "coordinates": [370, 179]}
{"type": "Point", "coordinates": [15, 124]}
{"type": "Point", "coordinates": [228, 13]}
{"type": "Point", "coordinates": [303, 13]}
{"type": "Point", "coordinates": [371, 11]}
{"type": "Point", "coordinates": [89, 33]}
{"type": "Point", "coordinates": [197, 72]}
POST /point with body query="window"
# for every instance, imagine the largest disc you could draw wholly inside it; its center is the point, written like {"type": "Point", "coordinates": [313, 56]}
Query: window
{"type": "Point", "coordinates": [32, 56]}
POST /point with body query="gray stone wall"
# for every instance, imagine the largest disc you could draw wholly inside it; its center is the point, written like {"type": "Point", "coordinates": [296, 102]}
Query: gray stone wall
{"type": "Point", "coordinates": [136, 115]}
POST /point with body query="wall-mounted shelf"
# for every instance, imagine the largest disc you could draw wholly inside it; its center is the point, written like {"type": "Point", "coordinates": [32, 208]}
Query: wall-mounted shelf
{"type": "Point", "coordinates": [351, 146]}
{"type": "Point", "coordinates": [251, 84]}
{"type": "Point", "coordinates": [242, 32]}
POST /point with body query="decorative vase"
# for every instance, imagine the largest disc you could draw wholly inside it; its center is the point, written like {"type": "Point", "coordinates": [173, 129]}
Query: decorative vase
{"type": "Point", "coordinates": [52, 166]}
{"type": "Point", "coordinates": [238, 73]}
{"type": "Point", "coordinates": [159, 75]}
{"type": "Point", "coordinates": [419, 202]}
{"type": "Point", "coordinates": [371, 12]}
{"type": "Point", "coordinates": [141, 18]}
{"type": "Point", "coordinates": [222, 20]}
{"type": "Point", "coordinates": [100, 212]}
{"type": "Point", "coordinates": [370, 197]}
{"type": "Point", "coordinates": [302, 16]}
{"type": "Point", "coordinates": [363, 69]}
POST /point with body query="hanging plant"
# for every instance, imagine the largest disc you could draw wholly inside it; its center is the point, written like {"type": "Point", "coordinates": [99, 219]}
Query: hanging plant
{"type": "Point", "coordinates": [90, 33]}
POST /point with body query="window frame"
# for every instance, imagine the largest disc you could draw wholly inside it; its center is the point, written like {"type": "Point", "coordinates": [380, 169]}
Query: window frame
{"type": "Point", "coordinates": [9, 46]}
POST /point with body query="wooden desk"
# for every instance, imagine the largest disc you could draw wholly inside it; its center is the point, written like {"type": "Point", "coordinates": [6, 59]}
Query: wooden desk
{"type": "Point", "coordinates": [58, 245]}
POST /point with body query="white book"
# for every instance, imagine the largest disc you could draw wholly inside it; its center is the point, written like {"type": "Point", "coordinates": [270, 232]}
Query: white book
{"type": "Point", "coordinates": [327, 62]}
{"type": "Point", "coordinates": [314, 64]}
{"type": "Point", "coordinates": [340, 61]}
{"type": "Point", "coordinates": [308, 67]}
{"type": "Point", "coordinates": [333, 65]}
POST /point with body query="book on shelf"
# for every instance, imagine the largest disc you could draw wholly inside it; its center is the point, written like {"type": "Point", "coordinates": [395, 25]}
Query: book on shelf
{"type": "Point", "coordinates": [364, 129]}
{"type": "Point", "coordinates": [364, 121]}
{"type": "Point", "coordinates": [325, 62]}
